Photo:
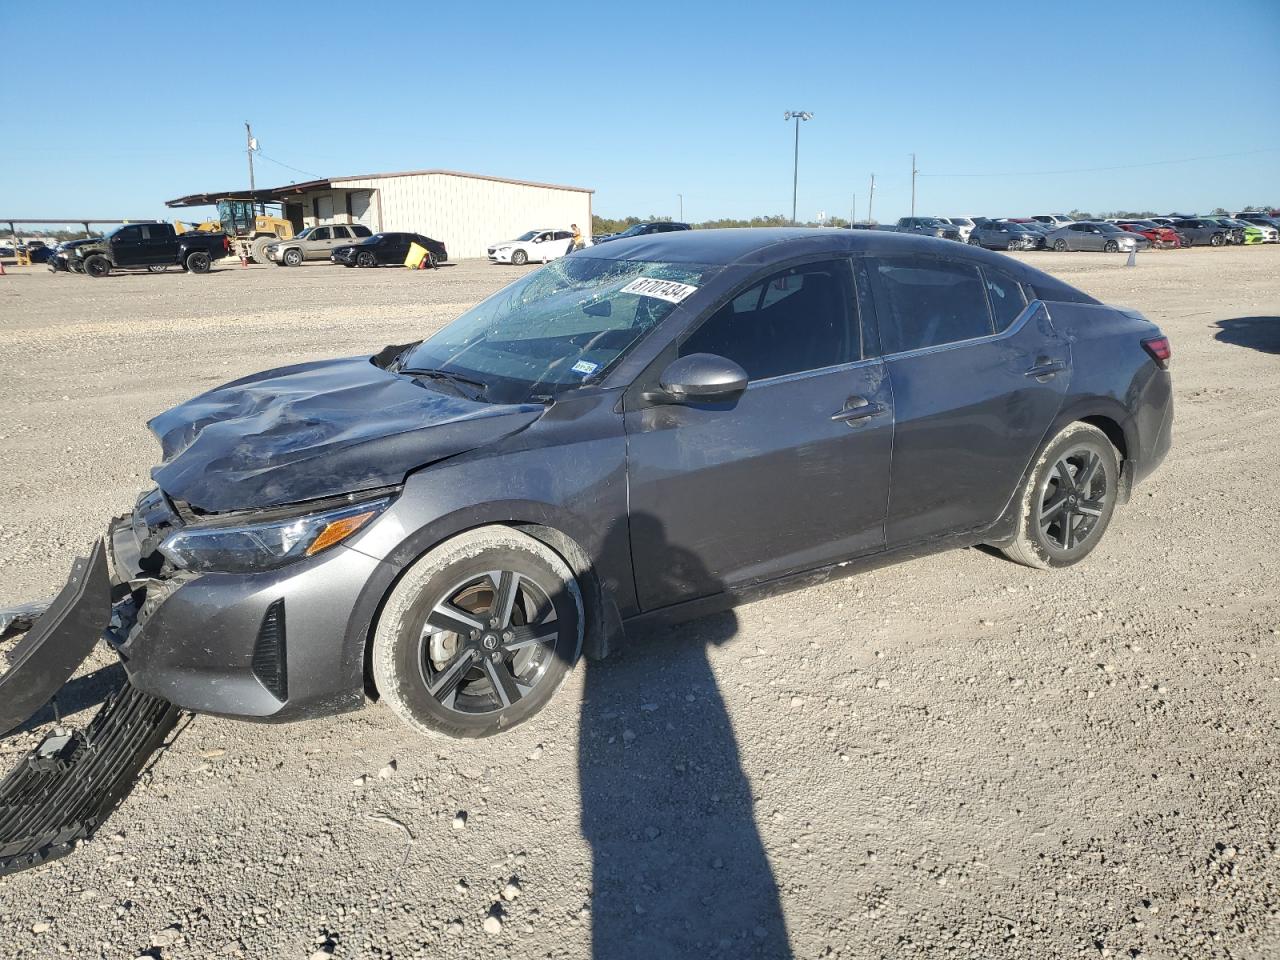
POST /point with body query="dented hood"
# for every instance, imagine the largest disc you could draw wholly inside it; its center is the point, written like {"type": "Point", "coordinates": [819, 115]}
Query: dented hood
{"type": "Point", "coordinates": [317, 430]}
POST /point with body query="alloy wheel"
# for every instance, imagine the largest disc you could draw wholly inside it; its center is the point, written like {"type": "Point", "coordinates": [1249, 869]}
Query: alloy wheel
{"type": "Point", "coordinates": [1072, 499]}
{"type": "Point", "coordinates": [487, 644]}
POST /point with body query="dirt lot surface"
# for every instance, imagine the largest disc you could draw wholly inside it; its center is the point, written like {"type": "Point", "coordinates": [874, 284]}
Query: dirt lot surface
{"type": "Point", "coordinates": [955, 757]}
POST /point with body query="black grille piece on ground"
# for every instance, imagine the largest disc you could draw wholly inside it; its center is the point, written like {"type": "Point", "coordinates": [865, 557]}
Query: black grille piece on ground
{"type": "Point", "coordinates": [65, 789]}
{"type": "Point", "coordinates": [269, 653]}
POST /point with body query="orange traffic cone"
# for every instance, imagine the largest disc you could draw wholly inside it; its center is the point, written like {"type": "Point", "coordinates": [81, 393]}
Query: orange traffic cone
{"type": "Point", "coordinates": [1, 268]}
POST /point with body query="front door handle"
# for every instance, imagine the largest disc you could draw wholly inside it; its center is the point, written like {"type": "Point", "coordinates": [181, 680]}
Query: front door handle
{"type": "Point", "coordinates": [857, 408]}
{"type": "Point", "coordinates": [1046, 368]}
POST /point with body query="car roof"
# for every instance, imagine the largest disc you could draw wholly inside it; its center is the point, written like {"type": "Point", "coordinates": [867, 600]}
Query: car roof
{"type": "Point", "coordinates": [751, 247]}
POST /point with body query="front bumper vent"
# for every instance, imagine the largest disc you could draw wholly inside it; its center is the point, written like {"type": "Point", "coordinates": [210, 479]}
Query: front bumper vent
{"type": "Point", "coordinates": [269, 654]}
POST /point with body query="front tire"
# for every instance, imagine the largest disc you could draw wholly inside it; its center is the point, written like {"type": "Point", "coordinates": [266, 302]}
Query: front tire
{"type": "Point", "coordinates": [519, 258]}
{"type": "Point", "coordinates": [1067, 502]}
{"type": "Point", "coordinates": [198, 262]}
{"type": "Point", "coordinates": [1111, 247]}
{"type": "Point", "coordinates": [1216, 240]}
{"type": "Point", "coordinates": [97, 266]}
{"type": "Point", "coordinates": [1060, 246]}
{"type": "Point", "coordinates": [478, 634]}
{"type": "Point", "coordinates": [292, 257]}
{"type": "Point", "coordinates": [973, 241]}
{"type": "Point", "coordinates": [366, 259]}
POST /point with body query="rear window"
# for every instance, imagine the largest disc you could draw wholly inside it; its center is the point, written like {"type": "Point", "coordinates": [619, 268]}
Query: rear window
{"type": "Point", "coordinates": [360, 230]}
{"type": "Point", "coordinates": [928, 302]}
{"type": "Point", "coordinates": [1006, 297]}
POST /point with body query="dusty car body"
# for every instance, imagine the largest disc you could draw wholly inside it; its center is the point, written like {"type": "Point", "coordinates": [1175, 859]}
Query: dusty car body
{"type": "Point", "coordinates": [1005, 235]}
{"type": "Point", "coordinates": [1202, 232]}
{"type": "Point", "coordinates": [315, 243]}
{"type": "Point", "coordinates": [649, 430]}
{"type": "Point", "coordinates": [1094, 235]}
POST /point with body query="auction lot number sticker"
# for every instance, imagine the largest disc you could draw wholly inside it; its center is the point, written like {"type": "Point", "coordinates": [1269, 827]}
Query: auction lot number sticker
{"type": "Point", "coordinates": [668, 290]}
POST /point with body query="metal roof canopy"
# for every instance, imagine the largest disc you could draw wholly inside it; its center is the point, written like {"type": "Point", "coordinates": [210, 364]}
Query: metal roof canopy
{"type": "Point", "coordinates": [278, 194]}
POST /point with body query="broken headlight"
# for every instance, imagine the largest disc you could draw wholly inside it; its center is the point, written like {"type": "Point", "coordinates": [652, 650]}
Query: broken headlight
{"type": "Point", "coordinates": [251, 547]}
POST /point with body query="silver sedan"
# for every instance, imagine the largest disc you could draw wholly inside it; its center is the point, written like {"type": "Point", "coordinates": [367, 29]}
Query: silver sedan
{"type": "Point", "coordinates": [1091, 235]}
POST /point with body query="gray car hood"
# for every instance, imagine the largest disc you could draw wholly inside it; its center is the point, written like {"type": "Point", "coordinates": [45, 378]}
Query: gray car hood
{"type": "Point", "coordinates": [317, 430]}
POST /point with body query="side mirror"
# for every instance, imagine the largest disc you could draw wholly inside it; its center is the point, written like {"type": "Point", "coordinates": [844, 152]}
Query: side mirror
{"type": "Point", "coordinates": [699, 376]}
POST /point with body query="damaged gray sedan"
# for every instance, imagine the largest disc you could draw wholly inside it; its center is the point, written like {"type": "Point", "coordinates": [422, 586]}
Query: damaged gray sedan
{"type": "Point", "coordinates": [649, 430]}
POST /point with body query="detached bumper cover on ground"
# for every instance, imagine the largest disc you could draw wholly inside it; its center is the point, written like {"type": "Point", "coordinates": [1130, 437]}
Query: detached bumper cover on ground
{"type": "Point", "coordinates": [64, 789]}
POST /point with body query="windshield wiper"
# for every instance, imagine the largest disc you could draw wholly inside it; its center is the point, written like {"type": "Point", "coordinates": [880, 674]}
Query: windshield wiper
{"type": "Point", "coordinates": [453, 379]}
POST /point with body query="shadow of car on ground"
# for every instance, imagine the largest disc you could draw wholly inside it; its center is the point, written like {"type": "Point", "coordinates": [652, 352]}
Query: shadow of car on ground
{"type": "Point", "coordinates": [1259, 333]}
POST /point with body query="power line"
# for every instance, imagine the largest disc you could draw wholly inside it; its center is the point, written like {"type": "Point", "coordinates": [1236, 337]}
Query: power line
{"type": "Point", "coordinates": [305, 173]}
{"type": "Point", "coordinates": [1124, 166]}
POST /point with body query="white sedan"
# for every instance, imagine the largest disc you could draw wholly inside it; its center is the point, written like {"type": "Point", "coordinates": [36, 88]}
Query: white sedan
{"type": "Point", "coordinates": [536, 246]}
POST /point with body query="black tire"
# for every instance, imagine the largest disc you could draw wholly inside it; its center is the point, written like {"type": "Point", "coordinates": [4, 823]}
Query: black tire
{"type": "Point", "coordinates": [1111, 247]}
{"type": "Point", "coordinates": [973, 241]}
{"type": "Point", "coordinates": [97, 266]}
{"type": "Point", "coordinates": [1060, 245]}
{"type": "Point", "coordinates": [519, 258]}
{"type": "Point", "coordinates": [496, 668]}
{"type": "Point", "coordinates": [157, 268]}
{"type": "Point", "coordinates": [75, 265]}
{"type": "Point", "coordinates": [1067, 502]}
{"type": "Point", "coordinates": [431, 261]}
{"type": "Point", "coordinates": [366, 259]}
{"type": "Point", "coordinates": [292, 257]}
{"type": "Point", "coordinates": [1216, 240]}
{"type": "Point", "coordinates": [198, 261]}
{"type": "Point", "coordinates": [258, 249]}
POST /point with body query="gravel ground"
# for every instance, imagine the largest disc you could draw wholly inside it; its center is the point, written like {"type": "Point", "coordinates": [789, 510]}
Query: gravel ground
{"type": "Point", "coordinates": [954, 757]}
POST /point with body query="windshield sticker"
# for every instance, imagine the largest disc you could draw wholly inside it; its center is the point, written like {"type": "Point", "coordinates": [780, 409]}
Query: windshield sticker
{"type": "Point", "coordinates": [585, 367]}
{"type": "Point", "coordinates": [668, 290]}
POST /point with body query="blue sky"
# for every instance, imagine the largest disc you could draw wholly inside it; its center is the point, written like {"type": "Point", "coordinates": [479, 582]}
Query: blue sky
{"type": "Point", "coordinates": [145, 101]}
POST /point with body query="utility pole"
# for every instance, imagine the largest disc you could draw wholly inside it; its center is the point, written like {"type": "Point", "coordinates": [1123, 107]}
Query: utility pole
{"type": "Point", "coordinates": [914, 171]}
{"type": "Point", "coordinates": [872, 198]}
{"type": "Point", "coordinates": [681, 196]}
{"type": "Point", "coordinates": [797, 116]}
{"type": "Point", "coordinates": [853, 210]}
{"type": "Point", "coordinates": [249, 145]}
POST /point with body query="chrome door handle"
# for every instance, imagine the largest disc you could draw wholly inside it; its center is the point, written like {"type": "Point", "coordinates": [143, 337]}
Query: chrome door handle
{"type": "Point", "coordinates": [858, 408]}
{"type": "Point", "coordinates": [1047, 368]}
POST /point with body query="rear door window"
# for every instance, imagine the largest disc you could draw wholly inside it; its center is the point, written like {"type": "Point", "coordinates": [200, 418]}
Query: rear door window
{"type": "Point", "coordinates": [796, 320]}
{"type": "Point", "coordinates": [1005, 295]}
{"type": "Point", "coordinates": [926, 302]}
{"type": "Point", "coordinates": [341, 233]}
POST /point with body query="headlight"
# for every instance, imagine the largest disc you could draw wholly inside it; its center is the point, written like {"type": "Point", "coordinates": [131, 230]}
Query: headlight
{"type": "Point", "coordinates": [261, 546]}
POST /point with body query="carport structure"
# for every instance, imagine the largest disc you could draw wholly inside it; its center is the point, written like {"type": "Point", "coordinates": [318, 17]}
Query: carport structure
{"type": "Point", "coordinates": [84, 222]}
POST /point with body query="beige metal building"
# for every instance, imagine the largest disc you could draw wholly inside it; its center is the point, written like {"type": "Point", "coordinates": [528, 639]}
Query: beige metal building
{"type": "Point", "coordinates": [467, 211]}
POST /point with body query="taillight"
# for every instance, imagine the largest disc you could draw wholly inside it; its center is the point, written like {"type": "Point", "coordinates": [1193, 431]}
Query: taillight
{"type": "Point", "coordinates": [1160, 351]}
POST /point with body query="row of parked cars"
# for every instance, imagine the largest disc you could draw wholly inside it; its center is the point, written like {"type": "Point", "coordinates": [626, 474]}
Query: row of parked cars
{"type": "Point", "coordinates": [547, 243]}
{"type": "Point", "coordinates": [1113, 235]}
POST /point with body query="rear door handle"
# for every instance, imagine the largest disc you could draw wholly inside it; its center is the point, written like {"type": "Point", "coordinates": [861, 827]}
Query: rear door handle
{"type": "Point", "coordinates": [858, 408]}
{"type": "Point", "coordinates": [1047, 368]}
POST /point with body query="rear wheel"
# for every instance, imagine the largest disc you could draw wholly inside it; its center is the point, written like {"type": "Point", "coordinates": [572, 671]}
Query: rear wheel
{"type": "Point", "coordinates": [198, 262]}
{"type": "Point", "coordinates": [1060, 246]}
{"type": "Point", "coordinates": [292, 257]}
{"type": "Point", "coordinates": [366, 259]}
{"type": "Point", "coordinates": [478, 634]}
{"type": "Point", "coordinates": [258, 251]}
{"type": "Point", "coordinates": [97, 266]}
{"type": "Point", "coordinates": [519, 258]}
{"type": "Point", "coordinates": [1067, 502]}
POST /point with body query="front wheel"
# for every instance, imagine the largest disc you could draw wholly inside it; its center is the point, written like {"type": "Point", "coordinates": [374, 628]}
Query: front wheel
{"type": "Point", "coordinates": [1216, 240]}
{"type": "Point", "coordinates": [519, 258]}
{"type": "Point", "coordinates": [973, 241]}
{"type": "Point", "coordinates": [157, 268]}
{"type": "Point", "coordinates": [198, 262]}
{"type": "Point", "coordinates": [292, 257]}
{"type": "Point", "coordinates": [1067, 502]}
{"type": "Point", "coordinates": [1060, 246]}
{"type": "Point", "coordinates": [97, 266]}
{"type": "Point", "coordinates": [479, 634]}
{"type": "Point", "coordinates": [366, 259]}
{"type": "Point", "coordinates": [1111, 247]}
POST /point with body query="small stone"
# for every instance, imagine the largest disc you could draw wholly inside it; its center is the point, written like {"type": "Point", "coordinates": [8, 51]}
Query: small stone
{"type": "Point", "coordinates": [214, 754]}
{"type": "Point", "coordinates": [882, 683]}
{"type": "Point", "coordinates": [492, 924]}
{"type": "Point", "coordinates": [389, 771]}
{"type": "Point", "coordinates": [461, 886]}
{"type": "Point", "coordinates": [535, 753]}
{"type": "Point", "coordinates": [40, 928]}
{"type": "Point", "coordinates": [512, 890]}
{"type": "Point", "coordinates": [361, 780]}
{"type": "Point", "coordinates": [324, 953]}
{"type": "Point", "coordinates": [460, 820]}
{"type": "Point", "coordinates": [797, 703]}
{"type": "Point", "coordinates": [454, 927]}
{"type": "Point", "coordinates": [166, 937]}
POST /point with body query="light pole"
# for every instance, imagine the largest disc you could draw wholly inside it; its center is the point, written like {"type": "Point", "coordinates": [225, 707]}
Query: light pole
{"type": "Point", "coordinates": [914, 171]}
{"type": "Point", "coordinates": [681, 197]}
{"type": "Point", "coordinates": [871, 198]}
{"type": "Point", "coordinates": [797, 116]}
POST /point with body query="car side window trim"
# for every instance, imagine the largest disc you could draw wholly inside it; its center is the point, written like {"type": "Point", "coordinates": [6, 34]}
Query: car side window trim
{"type": "Point", "coordinates": [1027, 312]}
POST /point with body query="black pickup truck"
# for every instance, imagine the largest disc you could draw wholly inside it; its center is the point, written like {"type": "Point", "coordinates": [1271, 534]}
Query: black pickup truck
{"type": "Point", "coordinates": [153, 246]}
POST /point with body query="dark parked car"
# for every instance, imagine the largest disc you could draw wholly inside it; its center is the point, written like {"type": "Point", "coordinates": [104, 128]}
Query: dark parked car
{"type": "Point", "coordinates": [154, 246]}
{"type": "Point", "coordinates": [928, 227]}
{"type": "Point", "coordinates": [649, 430]}
{"type": "Point", "coordinates": [644, 229]}
{"type": "Point", "coordinates": [64, 259]}
{"type": "Point", "coordinates": [1004, 235]}
{"type": "Point", "coordinates": [387, 250]}
{"type": "Point", "coordinates": [1202, 233]}
{"type": "Point", "coordinates": [37, 250]}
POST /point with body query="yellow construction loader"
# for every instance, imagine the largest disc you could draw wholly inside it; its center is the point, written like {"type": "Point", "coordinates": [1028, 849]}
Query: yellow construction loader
{"type": "Point", "coordinates": [249, 230]}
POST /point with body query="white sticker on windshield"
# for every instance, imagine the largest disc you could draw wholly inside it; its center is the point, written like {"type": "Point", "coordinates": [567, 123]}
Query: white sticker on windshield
{"type": "Point", "coordinates": [668, 290]}
{"type": "Point", "coordinates": [585, 367]}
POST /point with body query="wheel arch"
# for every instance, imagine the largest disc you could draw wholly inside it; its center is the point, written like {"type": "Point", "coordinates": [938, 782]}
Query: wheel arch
{"type": "Point", "coordinates": [1113, 420]}
{"type": "Point", "coordinates": [554, 528]}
